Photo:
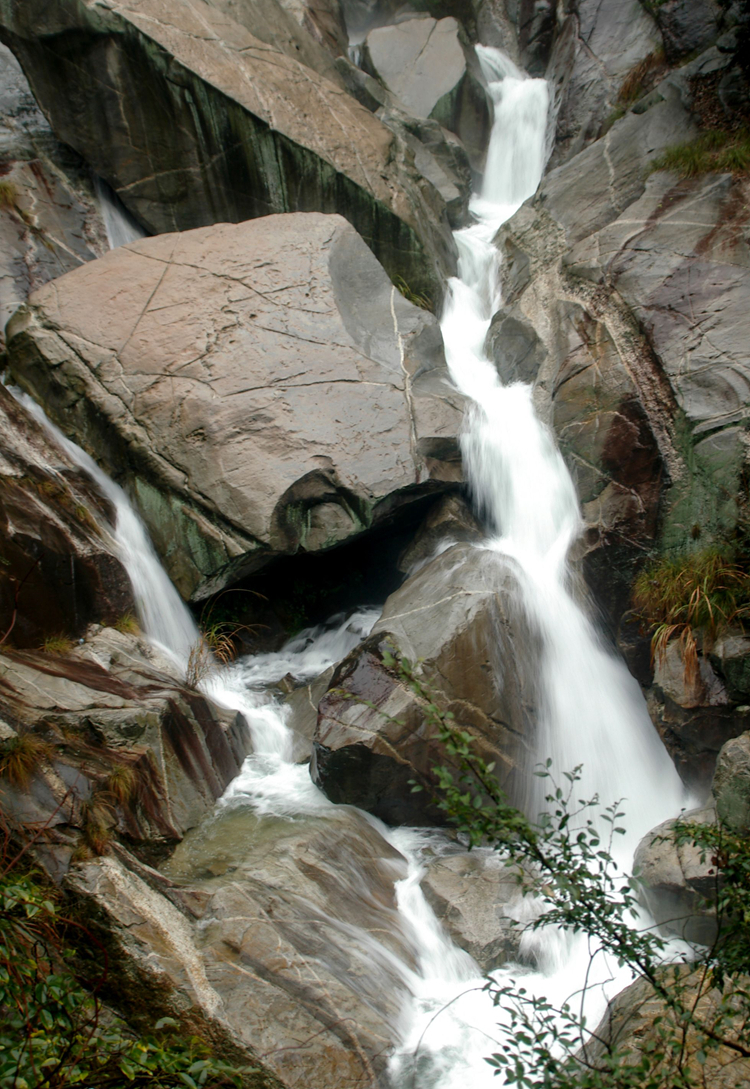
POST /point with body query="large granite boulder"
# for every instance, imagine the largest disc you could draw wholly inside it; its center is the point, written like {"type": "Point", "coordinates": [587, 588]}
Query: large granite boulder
{"type": "Point", "coordinates": [277, 939]}
{"type": "Point", "coordinates": [49, 219]}
{"type": "Point", "coordinates": [461, 618]}
{"type": "Point", "coordinates": [259, 388]}
{"type": "Point", "coordinates": [432, 69]}
{"type": "Point", "coordinates": [731, 784]}
{"type": "Point", "coordinates": [477, 899]}
{"type": "Point", "coordinates": [60, 568]}
{"type": "Point", "coordinates": [194, 120]}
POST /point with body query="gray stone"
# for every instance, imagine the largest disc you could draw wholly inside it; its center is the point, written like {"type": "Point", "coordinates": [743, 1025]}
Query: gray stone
{"type": "Point", "coordinates": [473, 894]}
{"type": "Point", "coordinates": [194, 120]}
{"type": "Point", "coordinates": [430, 67]}
{"type": "Point", "coordinates": [259, 388]}
{"type": "Point", "coordinates": [687, 26]}
{"type": "Point", "coordinates": [678, 883]}
{"type": "Point", "coordinates": [461, 619]}
{"type": "Point", "coordinates": [515, 347]}
{"type": "Point", "coordinates": [731, 784]}
{"type": "Point", "coordinates": [596, 49]}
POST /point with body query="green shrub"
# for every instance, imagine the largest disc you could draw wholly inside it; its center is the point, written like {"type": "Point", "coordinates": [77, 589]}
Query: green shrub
{"type": "Point", "coordinates": [54, 1032]}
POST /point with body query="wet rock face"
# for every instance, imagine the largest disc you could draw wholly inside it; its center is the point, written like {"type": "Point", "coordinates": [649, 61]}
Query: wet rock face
{"type": "Point", "coordinates": [60, 570]}
{"type": "Point", "coordinates": [475, 896]}
{"type": "Point", "coordinates": [731, 784]}
{"type": "Point", "coordinates": [278, 938]}
{"type": "Point", "coordinates": [261, 389]}
{"type": "Point", "coordinates": [429, 65]}
{"type": "Point", "coordinates": [114, 702]}
{"type": "Point", "coordinates": [193, 120]}
{"type": "Point", "coordinates": [49, 220]}
{"type": "Point", "coordinates": [461, 617]}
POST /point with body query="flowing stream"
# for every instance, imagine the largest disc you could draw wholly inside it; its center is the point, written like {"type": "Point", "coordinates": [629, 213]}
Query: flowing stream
{"type": "Point", "coordinates": [592, 712]}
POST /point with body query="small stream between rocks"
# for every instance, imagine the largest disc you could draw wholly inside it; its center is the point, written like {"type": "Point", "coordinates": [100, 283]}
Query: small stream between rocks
{"type": "Point", "coordinates": [592, 711]}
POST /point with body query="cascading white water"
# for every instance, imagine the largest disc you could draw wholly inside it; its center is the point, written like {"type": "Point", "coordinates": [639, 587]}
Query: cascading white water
{"type": "Point", "coordinates": [120, 225]}
{"type": "Point", "coordinates": [592, 712]}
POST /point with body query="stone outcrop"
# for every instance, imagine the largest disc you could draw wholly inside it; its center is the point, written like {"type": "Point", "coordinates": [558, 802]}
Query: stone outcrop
{"type": "Point", "coordinates": [280, 941]}
{"type": "Point", "coordinates": [113, 703]}
{"type": "Point", "coordinates": [731, 784]}
{"type": "Point", "coordinates": [194, 120]}
{"type": "Point", "coordinates": [259, 388]}
{"type": "Point", "coordinates": [430, 67]}
{"type": "Point", "coordinates": [60, 570]}
{"type": "Point", "coordinates": [461, 618]}
{"type": "Point", "coordinates": [597, 47]}
{"type": "Point", "coordinates": [49, 219]}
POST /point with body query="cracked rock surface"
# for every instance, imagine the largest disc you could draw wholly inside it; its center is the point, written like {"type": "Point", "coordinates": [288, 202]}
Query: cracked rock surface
{"type": "Point", "coordinates": [259, 388]}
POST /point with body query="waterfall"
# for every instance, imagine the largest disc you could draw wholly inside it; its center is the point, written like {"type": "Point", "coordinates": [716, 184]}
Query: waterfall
{"type": "Point", "coordinates": [592, 712]}
{"type": "Point", "coordinates": [120, 225]}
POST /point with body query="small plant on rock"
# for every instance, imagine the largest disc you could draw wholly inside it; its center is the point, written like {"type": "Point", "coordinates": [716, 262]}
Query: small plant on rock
{"type": "Point", "coordinates": [691, 598]}
{"type": "Point", "coordinates": [58, 644]}
{"type": "Point", "coordinates": [20, 756]}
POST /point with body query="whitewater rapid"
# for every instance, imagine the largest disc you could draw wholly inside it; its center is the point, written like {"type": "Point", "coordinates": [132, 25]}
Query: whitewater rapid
{"type": "Point", "coordinates": [592, 712]}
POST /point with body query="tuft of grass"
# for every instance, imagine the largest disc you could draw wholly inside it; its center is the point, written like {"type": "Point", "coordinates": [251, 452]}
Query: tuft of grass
{"type": "Point", "coordinates": [8, 195]}
{"type": "Point", "coordinates": [689, 597]}
{"type": "Point", "coordinates": [200, 664]}
{"type": "Point", "coordinates": [20, 756]}
{"type": "Point", "coordinates": [96, 824]}
{"type": "Point", "coordinates": [422, 301]}
{"type": "Point", "coordinates": [127, 624]}
{"type": "Point", "coordinates": [717, 151]}
{"type": "Point", "coordinates": [121, 784]}
{"type": "Point", "coordinates": [58, 644]}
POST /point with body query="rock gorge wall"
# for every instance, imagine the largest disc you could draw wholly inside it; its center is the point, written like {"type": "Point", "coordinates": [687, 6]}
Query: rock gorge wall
{"type": "Point", "coordinates": [264, 379]}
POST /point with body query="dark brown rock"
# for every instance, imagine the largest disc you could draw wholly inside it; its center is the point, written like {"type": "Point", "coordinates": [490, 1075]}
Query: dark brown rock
{"type": "Point", "coordinates": [60, 570]}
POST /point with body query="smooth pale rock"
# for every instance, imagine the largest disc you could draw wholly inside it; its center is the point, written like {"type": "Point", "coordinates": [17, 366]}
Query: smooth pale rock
{"type": "Point", "coordinates": [677, 882]}
{"type": "Point", "coordinates": [460, 617]}
{"type": "Point", "coordinates": [193, 120]}
{"type": "Point", "coordinates": [49, 219]}
{"type": "Point", "coordinates": [429, 66]}
{"type": "Point", "coordinates": [731, 784]}
{"type": "Point", "coordinates": [473, 896]}
{"type": "Point", "coordinates": [298, 931]}
{"type": "Point", "coordinates": [111, 702]}
{"type": "Point", "coordinates": [60, 569]}
{"type": "Point", "coordinates": [324, 22]}
{"type": "Point", "coordinates": [291, 28]}
{"type": "Point", "coordinates": [259, 388]}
